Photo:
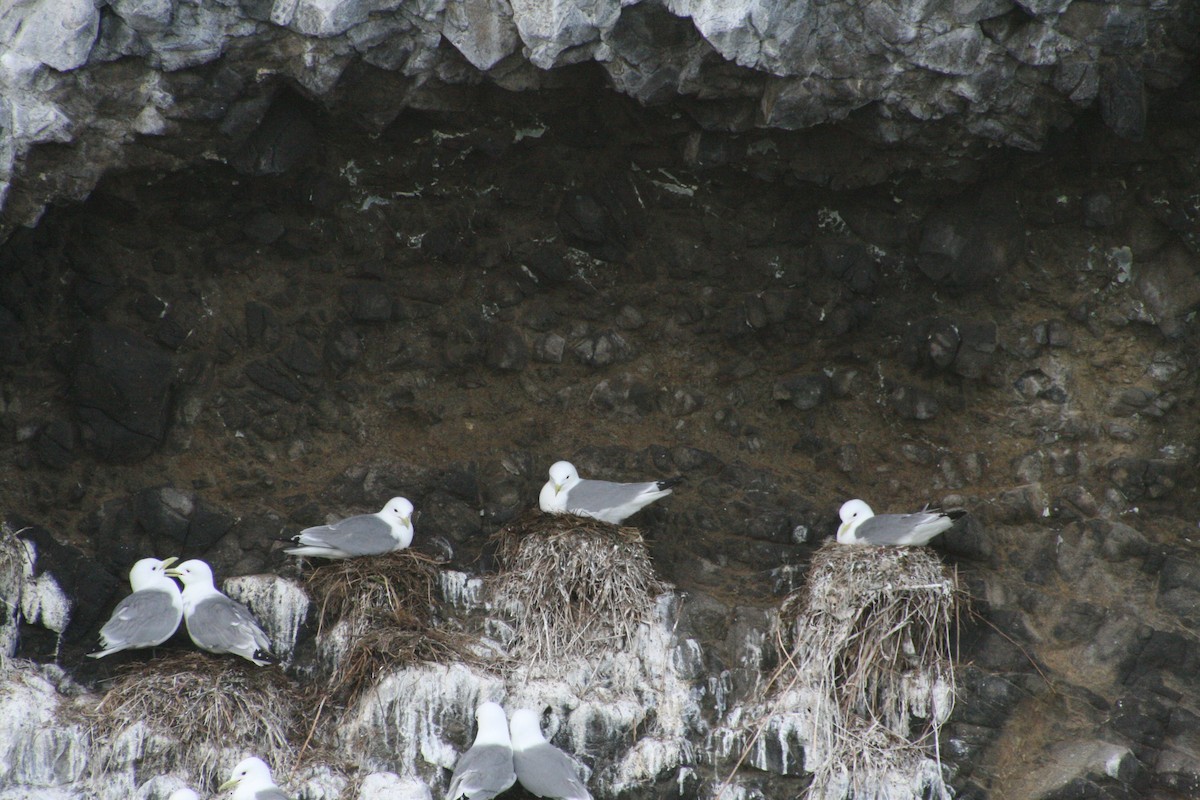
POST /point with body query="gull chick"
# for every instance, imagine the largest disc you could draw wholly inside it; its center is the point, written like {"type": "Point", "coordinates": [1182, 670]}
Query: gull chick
{"type": "Point", "coordinates": [251, 780]}
{"type": "Point", "coordinates": [361, 535]}
{"type": "Point", "coordinates": [149, 616]}
{"type": "Point", "coordinates": [542, 768]}
{"type": "Point", "coordinates": [486, 769]}
{"type": "Point", "coordinates": [216, 623]}
{"type": "Point", "coordinates": [567, 493]}
{"type": "Point", "coordinates": [860, 525]}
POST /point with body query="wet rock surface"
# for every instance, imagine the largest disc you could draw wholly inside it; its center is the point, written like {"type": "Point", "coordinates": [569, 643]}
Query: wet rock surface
{"type": "Point", "coordinates": [204, 361]}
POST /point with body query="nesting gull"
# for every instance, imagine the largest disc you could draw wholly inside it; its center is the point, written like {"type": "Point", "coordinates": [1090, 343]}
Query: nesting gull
{"type": "Point", "coordinates": [362, 535]}
{"type": "Point", "coordinates": [542, 768]}
{"type": "Point", "coordinates": [486, 769]}
{"type": "Point", "coordinates": [149, 616]}
{"type": "Point", "coordinates": [860, 525]}
{"type": "Point", "coordinates": [216, 623]}
{"type": "Point", "coordinates": [252, 777]}
{"type": "Point", "coordinates": [567, 493]}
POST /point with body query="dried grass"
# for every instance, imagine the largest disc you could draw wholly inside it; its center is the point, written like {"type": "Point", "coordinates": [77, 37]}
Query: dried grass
{"type": "Point", "coordinates": [868, 644]}
{"type": "Point", "coordinates": [386, 607]}
{"type": "Point", "coordinates": [573, 587]}
{"type": "Point", "coordinates": [199, 703]}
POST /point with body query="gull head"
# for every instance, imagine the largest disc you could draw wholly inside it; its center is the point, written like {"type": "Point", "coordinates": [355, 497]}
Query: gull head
{"type": "Point", "coordinates": [400, 510]}
{"type": "Point", "coordinates": [562, 473]}
{"type": "Point", "coordinates": [852, 512]}
{"type": "Point", "coordinates": [526, 729]}
{"type": "Point", "coordinates": [150, 572]}
{"type": "Point", "coordinates": [193, 572]}
{"type": "Point", "coordinates": [253, 773]}
{"type": "Point", "coordinates": [492, 725]}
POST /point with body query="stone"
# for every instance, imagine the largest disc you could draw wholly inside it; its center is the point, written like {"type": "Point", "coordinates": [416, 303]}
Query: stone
{"type": "Point", "coordinates": [1099, 211]}
{"type": "Point", "coordinates": [913, 403]}
{"type": "Point", "coordinates": [549, 348]}
{"type": "Point", "coordinates": [1052, 333]}
{"type": "Point", "coordinates": [804, 392]}
{"type": "Point", "coordinates": [972, 240]}
{"type": "Point", "coordinates": [57, 33]}
{"type": "Point", "coordinates": [603, 349]}
{"type": "Point", "coordinates": [366, 301]}
{"type": "Point", "coordinates": [121, 393]}
{"type": "Point", "coordinates": [1170, 287]}
{"type": "Point", "coordinates": [54, 444]}
{"type": "Point", "coordinates": [1080, 762]}
{"type": "Point", "coordinates": [506, 349]}
{"type": "Point", "coordinates": [930, 344]}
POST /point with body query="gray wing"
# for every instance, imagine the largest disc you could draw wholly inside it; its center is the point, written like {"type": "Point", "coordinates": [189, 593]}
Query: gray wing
{"type": "Point", "coordinates": [143, 619]}
{"type": "Point", "coordinates": [596, 496]}
{"type": "Point", "coordinates": [274, 793]}
{"type": "Point", "coordinates": [221, 625]}
{"type": "Point", "coordinates": [482, 773]}
{"type": "Point", "coordinates": [548, 772]}
{"type": "Point", "coordinates": [897, 529]}
{"type": "Point", "coordinates": [363, 535]}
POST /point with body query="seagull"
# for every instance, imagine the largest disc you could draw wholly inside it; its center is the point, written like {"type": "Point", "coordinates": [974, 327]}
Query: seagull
{"type": "Point", "coordinates": [149, 616]}
{"type": "Point", "coordinates": [542, 768]}
{"type": "Point", "coordinates": [362, 535]}
{"type": "Point", "coordinates": [861, 526]}
{"type": "Point", "coordinates": [252, 777]}
{"type": "Point", "coordinates": [216, 623]}
{"type": "Point", "coordinates": [486, 769]}
{"type": "Point", "coordinates": [184, 794]}
{"type": "Point", "coordinates": [567, 493]}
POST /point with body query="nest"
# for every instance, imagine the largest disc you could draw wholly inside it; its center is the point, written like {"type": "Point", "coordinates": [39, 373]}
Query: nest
{"type": "Point", "coordinates": [871, 652]}
{"type": "Point", "coordinates": [573, 586]}
{"type": "Point", "coordinates": [385, 608]}
{"type": "Point", "coordinates": [201, 705]}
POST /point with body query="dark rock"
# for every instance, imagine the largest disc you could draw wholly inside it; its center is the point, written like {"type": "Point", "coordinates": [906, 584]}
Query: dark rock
{"type": "Point", "coordinates": [629, 318]}
{"type": "Point", "coordinates": [548, 348]}
{"type": "Point", "coordinates": [972, 240]}
{"type": "Point", "coordinates": [694, 460]}
{"type": "Point", "coordinates": [913, 403]}
{"type": "Point", "coordinates": [264, 227]}
{"type": "Point", "coordinates": [343, 348]}
{"type": "Point", "coordinates": [805, 392]}
{"type": "Point", "coordinates": [852, 263]}
{"type": "Point", "coordinates": [283, 140]}
{"type": "Point", "coordinates": [1036, 385]}
{"type": "Point", "coordinates": [299, 356]}
{"type": "Point", "coordinates": [1122, 98]}
{"type": "Point", "coordinates": [930, 344]}
{"type": "Point", "coordinates": [978, 342]}
{"type": "Point", "coordinates": [54, 444]}
{"type": "Point", "coordinates": [271, 374]}
{"type": "Point", "coordinates": [366, 301]}
{"type": "Point", "coordinates": [1078, 622]}
{"type": "Point", "coordinates": [1170, 287]}
{"type": "Point", "coordinates": [1144, 477]}
{"type": "Point", "coordinates": [11, 349]}
{"type": "Point", "coordinates": [121, 389]}
{"type": "Point", "coordinates": [262, 326]}
{"type": "Point", "coordinates": [88, 585]}
{"type": "Point", "coordinates": [1052, 333]}
{"type": "Point", "coordinates": [1022, 504]}
{"type": "Point", "coordinates": [603, 349]}
{"type": "Point", "coordinates": [506, 349]}
{"type": "Point", "coordinates": [1099, 211]}
{"type": "Point", "coordinates": [95, 290]}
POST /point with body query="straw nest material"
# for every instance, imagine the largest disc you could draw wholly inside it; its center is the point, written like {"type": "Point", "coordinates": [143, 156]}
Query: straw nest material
{"type": "Point", "coordinates": [573, 586]}
{"type": "Point", "coordinates": [384, 609]}
{"type": "Point", "coordinates": [871, 647]}
{"type": "Point", "coordinates": [182, 711]}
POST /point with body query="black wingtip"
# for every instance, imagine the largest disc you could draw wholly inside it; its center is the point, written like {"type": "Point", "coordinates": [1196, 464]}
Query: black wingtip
{"type": "Point", "coordinates": [668, 483]}
{"type": "Point", "coordinates": [288, 539]}
{"type": "Point", "coordinates": [956, 513]}
{"type": "Point", "coordinates": [270, 658]}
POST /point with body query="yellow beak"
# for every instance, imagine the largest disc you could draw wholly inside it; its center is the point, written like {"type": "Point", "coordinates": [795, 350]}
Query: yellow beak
{"type": "Point", "coordinates": [406, 521]}
{"type": "Point", "coordinates": [557, 488]}
{"type": "Point", "coordinates": [227, 785]}
{"type": "Point", "coordinates": [169, 560]}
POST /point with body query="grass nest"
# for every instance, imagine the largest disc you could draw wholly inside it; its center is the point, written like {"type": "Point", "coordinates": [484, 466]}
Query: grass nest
{"type": "Point", "coordinates": [386, 608]}
{"type": "Point", "coordinates": [202, 705]}
{"type": "Point", "coordinates": [869, 644]}
{"type": "Point", "coordinates": [573, 586]}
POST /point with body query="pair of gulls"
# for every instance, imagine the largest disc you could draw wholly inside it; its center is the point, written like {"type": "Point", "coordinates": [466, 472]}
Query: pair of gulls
{"type": "Point", "coordinates": [567, 493]}
{"type": "Point", "coordinates": [151, 614]}
{"type": "Point", "coordinates": [391, 529]}
{"type": "Point", "coordinates": [495, 761]}
{"type": "Point", "coordinates": [250, 780]}
{"type": "Point", "coordinates": [505, 753]}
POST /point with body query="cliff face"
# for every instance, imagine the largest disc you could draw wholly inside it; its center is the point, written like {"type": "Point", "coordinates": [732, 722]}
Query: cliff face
{"type": "Point", "coordinates": [164, 83]}
{"type": "Point", "coordinates": [336, 257]}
